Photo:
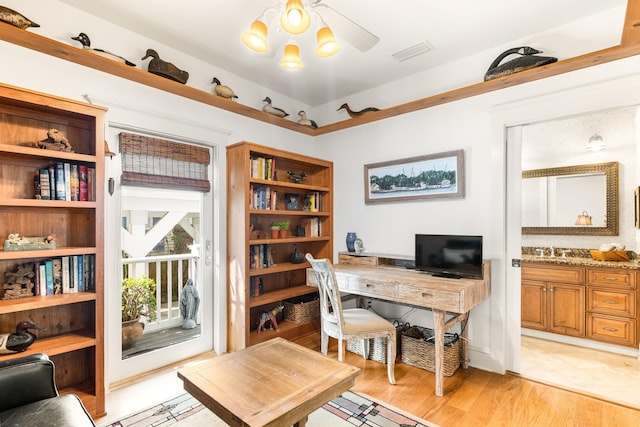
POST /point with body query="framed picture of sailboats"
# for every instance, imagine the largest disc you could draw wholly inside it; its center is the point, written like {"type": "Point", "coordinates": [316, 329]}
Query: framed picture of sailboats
{"type": "Point", "coordinates": [432, 176]}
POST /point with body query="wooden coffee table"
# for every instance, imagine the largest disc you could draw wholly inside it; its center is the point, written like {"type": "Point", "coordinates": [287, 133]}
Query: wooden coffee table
{"type": "Point", "coordinates": [274, 383]}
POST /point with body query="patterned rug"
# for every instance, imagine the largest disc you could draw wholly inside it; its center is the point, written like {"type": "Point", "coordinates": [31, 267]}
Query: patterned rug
{"type": "Point", "coordinates": [348, 410]}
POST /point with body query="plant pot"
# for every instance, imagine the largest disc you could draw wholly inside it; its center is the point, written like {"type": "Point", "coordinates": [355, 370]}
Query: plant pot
{"type": "Point", "coordinates": [131, 331]}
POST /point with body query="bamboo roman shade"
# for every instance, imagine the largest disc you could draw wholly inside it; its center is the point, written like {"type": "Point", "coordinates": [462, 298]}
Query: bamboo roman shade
{"type": "Point", "coordinates": [159, 163]}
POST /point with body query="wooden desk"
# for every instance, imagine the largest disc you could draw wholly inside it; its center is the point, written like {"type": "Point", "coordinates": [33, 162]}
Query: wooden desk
{"type": "Point", "coordinates": [274, 383]}
{"type": "Point", "coordinates": [396, 284]}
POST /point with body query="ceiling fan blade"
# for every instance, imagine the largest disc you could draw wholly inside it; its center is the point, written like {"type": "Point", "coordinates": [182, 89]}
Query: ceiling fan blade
{"type": "Point", "coordinates": [351, 32]}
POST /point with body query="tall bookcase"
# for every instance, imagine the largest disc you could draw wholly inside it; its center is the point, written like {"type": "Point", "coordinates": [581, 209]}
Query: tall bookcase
{"type": "Point", "coordinates": [73, 336]}
{"type": "Point", "coordinates": [260, 192]}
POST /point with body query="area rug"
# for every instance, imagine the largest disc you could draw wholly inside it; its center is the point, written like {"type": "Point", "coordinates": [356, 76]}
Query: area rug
{"type": "Point", "coordinates": [348, 410]}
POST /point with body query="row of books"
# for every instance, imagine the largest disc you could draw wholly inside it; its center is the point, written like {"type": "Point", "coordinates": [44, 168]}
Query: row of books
{"type": "Point", "coordinates": [313, 202]}
{"type": "Point", "coordinates": [312, 226]}
{"type": "Point", "coordinates": [256, 288]}
{"type": "Point", "coordinates": [65, 275]}
{"type": "Point", "coordinates": [65, 181]}
{"type": "Point", "coordinates": [263, 168]}
{"type": "Point", "coordinates": [262, 198]}
{"type": "Point", "coordinates": [260, 256]}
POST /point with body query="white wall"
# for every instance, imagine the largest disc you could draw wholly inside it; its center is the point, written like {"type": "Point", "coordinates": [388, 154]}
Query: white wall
{"type": "Point", "coordinates": [468, 124]}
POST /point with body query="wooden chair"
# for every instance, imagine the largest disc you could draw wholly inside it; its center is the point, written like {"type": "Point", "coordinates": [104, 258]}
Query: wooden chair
{"type": "Point", "coordinates": [352, 323]}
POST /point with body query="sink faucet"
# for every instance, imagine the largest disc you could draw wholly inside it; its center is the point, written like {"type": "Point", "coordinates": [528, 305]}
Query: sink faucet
{"type": "Point", "coordinates": [553, 252]}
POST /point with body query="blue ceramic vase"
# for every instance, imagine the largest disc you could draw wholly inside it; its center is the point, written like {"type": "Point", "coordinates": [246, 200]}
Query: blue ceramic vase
{"type": "Point", "coordinates": [351, 240]}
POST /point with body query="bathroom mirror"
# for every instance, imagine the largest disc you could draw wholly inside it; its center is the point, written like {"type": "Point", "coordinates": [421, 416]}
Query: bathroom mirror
{"type": "Point", "coordinates": [553, 198]}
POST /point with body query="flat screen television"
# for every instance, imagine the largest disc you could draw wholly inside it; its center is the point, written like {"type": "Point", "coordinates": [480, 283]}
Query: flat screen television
{"type": "Point", "coordinates": [449, 255]}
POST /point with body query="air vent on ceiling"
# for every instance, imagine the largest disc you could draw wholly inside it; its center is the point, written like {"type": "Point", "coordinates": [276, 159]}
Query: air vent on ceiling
{"type": "Point", "coordinates": [410, 52]}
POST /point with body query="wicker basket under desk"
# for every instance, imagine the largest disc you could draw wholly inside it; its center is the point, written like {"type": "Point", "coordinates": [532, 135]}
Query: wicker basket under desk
{"type": "Point", "coordinates": [422, 353]}
{"type": "Point", "coordinates": [377, 348]}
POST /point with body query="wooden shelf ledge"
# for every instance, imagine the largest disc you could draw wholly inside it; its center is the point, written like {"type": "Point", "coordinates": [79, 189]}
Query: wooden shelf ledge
{"type": "Point", "coordinates": [36, 42]}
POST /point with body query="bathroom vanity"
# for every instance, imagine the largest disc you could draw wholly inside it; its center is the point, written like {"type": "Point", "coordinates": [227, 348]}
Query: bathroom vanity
{"type": "Point", "coordinates": [581, 297]}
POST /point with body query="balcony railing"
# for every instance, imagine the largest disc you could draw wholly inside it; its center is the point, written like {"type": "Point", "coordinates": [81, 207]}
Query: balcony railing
{"type": "Point", "coordinates": [171, 273]}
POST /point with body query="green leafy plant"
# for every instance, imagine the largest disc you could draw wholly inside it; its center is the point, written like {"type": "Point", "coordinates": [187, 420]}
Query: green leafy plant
{"type": "Point", "coordinates": [281, 225]}
{"type": "Point", "coordinates": [138, 298]}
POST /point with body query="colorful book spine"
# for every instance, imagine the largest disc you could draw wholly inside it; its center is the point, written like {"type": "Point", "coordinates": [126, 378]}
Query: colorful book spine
{"type": "Point", "coordinates": [67, 181]}
{"type": "Point", "coordinates": [75, 184]}
{"type": "Point", "coordinates": [45, 190]}
{"type": "Point", "coordinates": [91, 184]}
{"type": "Point", "coordinates": [48, 265]}
{"type": "Point", "coordinates": [59, 174]}
{"type": "Point", "coordinates": [43, 278]}
{"type": "Point", "coordinates": [81, 280]}
{"type": "Point", "coordinates": [83, 191]}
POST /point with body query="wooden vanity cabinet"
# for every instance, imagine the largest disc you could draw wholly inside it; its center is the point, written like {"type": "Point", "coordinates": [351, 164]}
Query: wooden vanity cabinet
{"type": "Point", "coordinates": [611, 306]}
{"type": "Point", "coordinates": [553, 299]}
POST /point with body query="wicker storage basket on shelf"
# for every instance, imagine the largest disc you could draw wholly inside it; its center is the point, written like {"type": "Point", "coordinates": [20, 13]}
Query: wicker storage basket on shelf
{"type": "Point", "coordinates": [421, 352]}
{"type": "Point", "coordinates": [302, 309]}
{"type": "Point", "coordinates": [377, 348]}
{"type": "Point", "coordinates": [609, 255]}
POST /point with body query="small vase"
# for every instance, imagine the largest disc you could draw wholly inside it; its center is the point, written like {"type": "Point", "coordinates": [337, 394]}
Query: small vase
{"type": "Point", "coordinates": [358, 245]}
{"type": "Point", "coordinates": [351, 240]}
{"type": "Point", "coordinates": [297, 257]}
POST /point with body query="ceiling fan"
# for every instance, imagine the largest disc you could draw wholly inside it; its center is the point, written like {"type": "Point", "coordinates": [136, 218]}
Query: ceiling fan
{"type": "Point", "coordinates": [295, 11]}
{"type": "Point", "coordinates": [351, 32]}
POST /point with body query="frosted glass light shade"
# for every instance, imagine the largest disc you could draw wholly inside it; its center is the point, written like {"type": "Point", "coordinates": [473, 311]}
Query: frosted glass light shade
{"type": "Point", "coordinates": [291, 57]}
{"type": "Point", "coordinates": [596, 143]}
{"type": "Point", "coordinates": [327, 44]}
{"type": "Point", "coordinates": [256, 37]}
{"type": "Point", "coordinates": [294, 19]}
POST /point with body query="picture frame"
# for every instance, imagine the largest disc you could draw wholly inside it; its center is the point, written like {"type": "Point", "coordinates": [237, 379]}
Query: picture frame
{"type": "Point", "coordinates": [432, 176]}
{"type": "Point", "coordinates": [292, 201]}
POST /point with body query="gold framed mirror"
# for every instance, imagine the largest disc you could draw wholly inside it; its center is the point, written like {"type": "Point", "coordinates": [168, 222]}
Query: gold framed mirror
{"type": "Point", "coordinates": [553, 198]}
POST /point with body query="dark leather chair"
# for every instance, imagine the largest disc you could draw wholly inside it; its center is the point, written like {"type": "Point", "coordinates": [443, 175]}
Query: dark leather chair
{"type": "Point", "coordinates": [29, 397]}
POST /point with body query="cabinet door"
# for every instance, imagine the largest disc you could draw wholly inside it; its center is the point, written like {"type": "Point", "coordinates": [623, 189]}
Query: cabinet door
{"type": "Point", "coordinates": [566, 309]}
{"type": "Point", "coordinates": [533, 305]}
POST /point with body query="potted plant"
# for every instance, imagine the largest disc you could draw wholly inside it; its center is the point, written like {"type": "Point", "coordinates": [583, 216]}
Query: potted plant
{"type": "Point", "coordinates": [138, 299]}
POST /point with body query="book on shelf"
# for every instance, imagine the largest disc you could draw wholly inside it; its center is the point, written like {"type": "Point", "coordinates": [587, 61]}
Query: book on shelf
{"type": "Point", "coordinates": [83, 191]}
{"type": "Point", "coordinates": [60, 186]}
{"type": "Point", "coordinates": [48, 265]}
{"type": "Point", "coordinates": [75, 185]}
{"type": "Point", "coordinates": [52, 181]}
{"type": "Point", "coordinates": [260, 256]}
{"type": "Point", "coordinates": [262, 168]}
{"type": "Point", "coordinates": [42, 276]}
{"type": "Point", "coordinates": [312, 226]}
{"type": "Point", "coordinates": [43, 179]}
{"type": "Point", "coordinates": [91, 184]}
{"type": "Point", "coordinates": [66, 284]}
{"type": "Point", "coordinates": [67, 181]}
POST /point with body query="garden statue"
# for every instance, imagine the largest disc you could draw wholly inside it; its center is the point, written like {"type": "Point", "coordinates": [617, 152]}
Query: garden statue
{"type": "Point", "coordinates": [189, 302]}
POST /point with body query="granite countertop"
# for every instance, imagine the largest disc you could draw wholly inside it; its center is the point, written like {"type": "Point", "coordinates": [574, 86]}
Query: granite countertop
{"type": "Point", "coordinates": [581, 261]}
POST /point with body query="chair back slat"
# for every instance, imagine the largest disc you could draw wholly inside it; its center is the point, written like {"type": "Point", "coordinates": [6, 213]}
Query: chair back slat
{"type": "Point", "coordinates": [330, 302]}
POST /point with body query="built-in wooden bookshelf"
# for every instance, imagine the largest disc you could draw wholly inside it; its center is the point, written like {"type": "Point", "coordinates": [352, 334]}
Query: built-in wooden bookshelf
{"type": "Point", "coordinates": [260, 272]}
{"type": "Point", "coordinates": [73, 336]}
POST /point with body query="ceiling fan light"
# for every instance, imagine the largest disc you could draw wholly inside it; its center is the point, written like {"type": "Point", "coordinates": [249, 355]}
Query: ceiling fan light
{"type": "Point", "coordinates": [327, 44]}
{"type": "Point", "coordinates": [295, 19]}
{"type": "Point", "coordinates": [256, 37]}
{"type": "Point", "coordinates": [291, 57]}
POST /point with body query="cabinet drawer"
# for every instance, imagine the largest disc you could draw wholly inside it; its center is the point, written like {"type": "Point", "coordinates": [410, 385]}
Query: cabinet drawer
{"type": "Point", "coordinates": [619, 278]}
{"type": "Point", "coordinates": [421, 295]}
{"type": "Point", "coordinates": [357, 260]}
{"type": "Point", "coordinates": [545, 273]}
{"type": "Point", "coordinates": [373, 287]}
{"type": "Point", "coordinates": [618, 303]}
{"type": "Point", "coordinates": [614, 330]}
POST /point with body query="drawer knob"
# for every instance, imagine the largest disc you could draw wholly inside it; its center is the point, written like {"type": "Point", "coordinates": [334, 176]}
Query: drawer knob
{"type": "Point", "coordinates": [608, 301]}
{"type": "Point", "coordinates": [610, 329]}
{"type": "Point", "coordinates": [369, 285]}
{"type": "Point", "coordinates": [427, 294]}
{"type": "Point", "coordinates": [610, 278]}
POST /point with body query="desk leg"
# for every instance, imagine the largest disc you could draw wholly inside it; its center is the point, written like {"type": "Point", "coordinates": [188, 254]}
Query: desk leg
{"type": "Point", "coordinates": [302, 422]}
{"type": "Point", "coordinates": [464, 345]}
{"type": "Point", "coordinates": [438, 323]}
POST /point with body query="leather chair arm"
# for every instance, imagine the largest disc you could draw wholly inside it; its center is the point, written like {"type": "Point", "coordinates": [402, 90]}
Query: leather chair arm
{"type": "Point", "coordinates": [25, 380]}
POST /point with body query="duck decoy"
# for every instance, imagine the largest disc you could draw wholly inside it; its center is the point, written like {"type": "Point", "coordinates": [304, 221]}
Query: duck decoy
{"type": "Point", "coordinates": [268, 108]}
{"type": "Point", "coordinates": [16, 19]}
{"type": "Point", "coordinates": [86, 45]}
{"type": "Point", "coordinates": [356, 113]}
{"type": "Point", "coordinates": [165, 69]}
{"type": "Point", "coordinates": [525, 61]}
{"type": "Point", "coordinates": [222, 90]}
{"type": "Point", "coordinates": [20, 339]}
{"type": "Point", "coordinates": [306, 122]}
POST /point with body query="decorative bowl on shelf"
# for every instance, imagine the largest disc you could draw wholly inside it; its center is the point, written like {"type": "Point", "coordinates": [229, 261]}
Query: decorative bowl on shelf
{"type": "Point", "coordinates": [609, 255]}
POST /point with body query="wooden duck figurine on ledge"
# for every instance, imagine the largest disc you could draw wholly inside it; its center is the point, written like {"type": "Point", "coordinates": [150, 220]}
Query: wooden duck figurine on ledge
{"type": "Point", "coordinates": [526, 61]}
{"type": "Point", "coordinates": [356, 113]}
{"type": "Point", "coordinates": [165, 69]}
{"type": "Point", "coordinates": [86, 45]}
{"type": "Point", "coordinates": [222, 90]}
{"type": "Point", "coordinates": [16, 19]}
{"type": "Point", "coordinates": [20, 340]}
{"type": "Point", "coordinates": [306, 122]}
{"type": "Point", "coordinates": [268, 108]}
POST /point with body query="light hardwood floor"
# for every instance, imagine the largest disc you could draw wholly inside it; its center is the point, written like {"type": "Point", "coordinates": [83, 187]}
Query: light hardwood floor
{"type": "Point", "coordinates": [473, 397]}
